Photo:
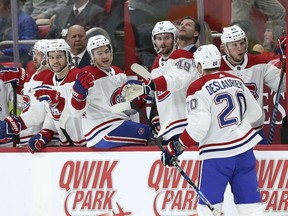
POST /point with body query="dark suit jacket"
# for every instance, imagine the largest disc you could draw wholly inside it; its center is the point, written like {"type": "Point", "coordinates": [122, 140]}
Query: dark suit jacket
{"type": "Point", "coordinates": [85, 61]}
{"type": "Point", "coordinates": [91, 16]}
{"type": "Point", "coordinates": [193, 49]}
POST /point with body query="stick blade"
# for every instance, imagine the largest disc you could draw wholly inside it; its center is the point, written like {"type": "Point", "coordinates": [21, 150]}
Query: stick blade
{"type": "Point", "coordinates": [141, 71]}
{"type": "Point", "coordinates": [120, 107]}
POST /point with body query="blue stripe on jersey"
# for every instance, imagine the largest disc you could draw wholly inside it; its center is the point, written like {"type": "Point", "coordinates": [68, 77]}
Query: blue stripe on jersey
{"type": "Point", "coordinates": [229, 148]}
{"type": "Point", "coordinates": [98, 131]}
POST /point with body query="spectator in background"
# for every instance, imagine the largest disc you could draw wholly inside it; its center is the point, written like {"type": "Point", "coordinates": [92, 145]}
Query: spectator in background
{"type": "Point", "coordinates": [77, 40]}
{"type": "Point", "coordinates": [82, 12]}
{"type": "Point", "coordinates": [273, 32]}
{"type": "Point", "coordinates": [272, 8]}
{"type": "Point", "coordinates": [27, 30]}
{"type": "Point", "coordinates": [43, 9]}
{"type": "Point", "coordinates": [188, 34]}
{"type": "Point", "coordinates": [208, 39]}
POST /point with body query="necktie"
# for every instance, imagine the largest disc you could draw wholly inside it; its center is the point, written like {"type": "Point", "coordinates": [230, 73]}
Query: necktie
{"type": "Point", "coordinates": [76, 12]}
{"type": "Point", "coordinates": [76, 59]}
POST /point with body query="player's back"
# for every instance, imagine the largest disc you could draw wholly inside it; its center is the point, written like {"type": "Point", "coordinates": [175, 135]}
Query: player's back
{"type": "Point", "coordinates": [222, 98]}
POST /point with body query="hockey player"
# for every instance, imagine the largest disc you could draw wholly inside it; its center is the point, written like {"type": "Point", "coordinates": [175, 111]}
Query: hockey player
{"type": "Point", "coordinates": [55, 91]}
{"type": "Point", "coordinates": [6, 96]}
{"type": "Point", "coordinates": [220, 110]}
{"type": "Point", "coordinates": [40, 64]}
{"type": "Point", "coordinates": [55, 88]}
{"type": "Point", "coordinates": [255, 70]}
{"type": "Point", "coordinates": [172, 72]}
{"type": "Point", "coordinates": [95, 91]}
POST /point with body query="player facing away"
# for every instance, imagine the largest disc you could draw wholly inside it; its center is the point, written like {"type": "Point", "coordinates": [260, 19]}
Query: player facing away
{"type": "Point", "coordinates": [172, 73]}
{"type": "Point", "coordinates": [255, 70]}
{"type": "Point", "coordinates": [95, 90]}
{"type": "Point", "coordinates": [220, 110]}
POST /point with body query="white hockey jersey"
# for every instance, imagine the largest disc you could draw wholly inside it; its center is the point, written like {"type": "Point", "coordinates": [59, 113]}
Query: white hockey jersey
{"type": "Point", "coordinates": [6, 95]}
{"type": "Point", "coordinates": [72, 124]}
{"type": "Point", "coordinates": [98, 120]}
{"type": "Point", "coordinates": [220, 109]}
{"type": "Point", "coordinates": [172, 78]}
{"type": "Point", "coordinates": [256, 71]}
{"type": "Point", "coordinates": [32, 106]}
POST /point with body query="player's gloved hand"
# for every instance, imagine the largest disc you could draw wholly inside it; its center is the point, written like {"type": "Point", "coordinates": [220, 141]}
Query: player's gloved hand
{"type": "Point", "coordinates": [13, 74]}
{"type": "Point", "coordinates": [136, 89]}
{"type": "Point", "coordinates": [39, 140]}
{"type": "Point", "coordinates": [84, 81]}
{"type": "Point", "coordinates": [10, 128]}
{"type": "Point", "coordinates": [156, 124]}
{"type": "Point", "coordinates": [47, 93]}
{"type": "Point", "coordinates": [171, 153]}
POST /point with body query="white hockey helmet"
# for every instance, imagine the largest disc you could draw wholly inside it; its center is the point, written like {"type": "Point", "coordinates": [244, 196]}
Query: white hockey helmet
{"type": "Point", "coordinates": [59, 45]}
{"type": "Point", "coordinates": [208, 56]}
{"type": "Point", "coordinates": [97, 41]}
{"type": "Point", "coordinates": [41, 46]}
{"type": "Point", "coordinates": [163, 27]}
{"type": "Point", "coordinates": [232, 33]}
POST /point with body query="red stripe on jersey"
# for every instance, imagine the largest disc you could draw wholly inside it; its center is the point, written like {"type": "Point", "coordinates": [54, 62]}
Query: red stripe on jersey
{"type": "Point", "coordinates": [198, 84]}
{"type": "Point", "coordinates": [160, 83]}
{"type": "Point", "coordinates": [100, 125]}
{"type": "Point", "coordinates": [186, 139]}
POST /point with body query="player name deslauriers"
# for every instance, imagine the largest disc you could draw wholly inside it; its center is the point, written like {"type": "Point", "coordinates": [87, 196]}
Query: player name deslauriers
{"type": "Point", "coordinates": [215, 86]}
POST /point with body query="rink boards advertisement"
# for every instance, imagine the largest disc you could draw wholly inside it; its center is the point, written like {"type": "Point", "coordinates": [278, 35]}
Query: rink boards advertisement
{"type": "Point", "coordinates": [82, 182]}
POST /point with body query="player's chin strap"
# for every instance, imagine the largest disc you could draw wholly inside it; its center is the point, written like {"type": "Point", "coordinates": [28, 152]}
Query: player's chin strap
{"type": "Point", "coordinates": [181, 171]}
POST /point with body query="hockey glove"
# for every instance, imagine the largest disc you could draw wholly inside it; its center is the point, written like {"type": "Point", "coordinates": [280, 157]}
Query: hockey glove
{"type": "Point", "coordinates": [84, 81]}
{"type": "Point", "coordinates": [39, 140]}
{"type": "Point", "coordinates": [135, 89]}
{"type": "Point", "coordinates": [13, 74]}
{"type": "Point", "coordinates": [10, 128]}
{"type": "Point", "coordinates": [171, 153]}
{"type": "Point", "coordinates": [47, 93]}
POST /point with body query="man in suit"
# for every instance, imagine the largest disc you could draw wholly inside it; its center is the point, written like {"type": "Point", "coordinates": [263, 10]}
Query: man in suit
{"type": "Point", "coordinates": [82, 12]}
{"type": "Point", "coordinates": [77, 40]}
{"type": "Point", "coordinates": [189, 31]}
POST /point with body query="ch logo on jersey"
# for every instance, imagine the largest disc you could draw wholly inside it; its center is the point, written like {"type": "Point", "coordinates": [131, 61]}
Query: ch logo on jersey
{"type": "Point", "coordinates": [162, 95]}
{"type": "Point", "coordinates": [27, 104]}
{"type": "Point", "coordinates": [253, 89]}
{"type": "Point", "coordinates": [116, 97]}
{"type": "Point", "coordinates": [56, 113]}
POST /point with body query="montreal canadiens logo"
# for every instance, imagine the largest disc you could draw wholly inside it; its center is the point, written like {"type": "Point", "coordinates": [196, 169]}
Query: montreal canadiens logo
{"type": "Point", "coordinates": [141, 131]}
{"type": "Point", "coordinates": [162, 95]}
{"type": "Point", "coordinates": [26, 100]}
{"type": "Point", "coordinates": [116, 97]}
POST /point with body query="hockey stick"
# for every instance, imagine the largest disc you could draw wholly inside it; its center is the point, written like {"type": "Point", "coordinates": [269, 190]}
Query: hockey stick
{"type": "Point", "coordinates": [141, 71]}
{"type": "Point", "coordinates": [277, 100]}
{"type": "Point", "coordinates": [181, 171]}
